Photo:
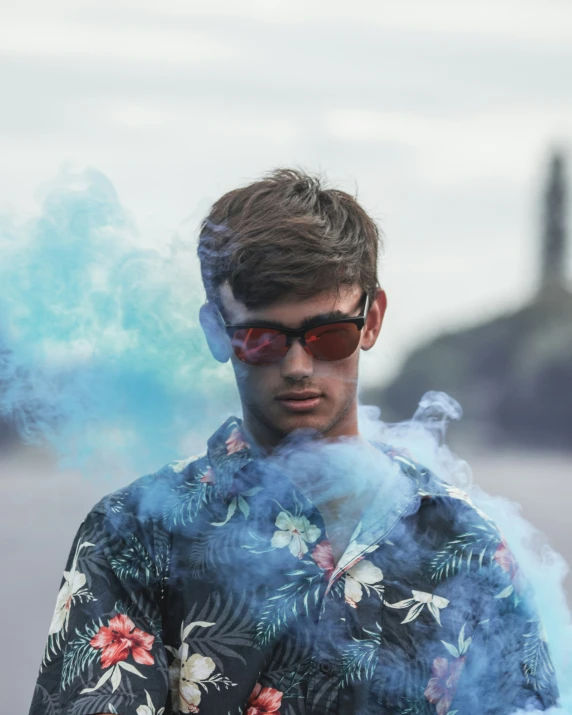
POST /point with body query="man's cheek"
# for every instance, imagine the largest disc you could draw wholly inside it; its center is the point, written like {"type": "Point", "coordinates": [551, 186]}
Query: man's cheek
{"type": "Point", "coordinates": [258, 388]}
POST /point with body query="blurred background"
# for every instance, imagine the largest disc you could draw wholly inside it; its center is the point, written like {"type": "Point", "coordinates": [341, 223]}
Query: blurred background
{"type": "Point", "coordinates": [120, 123]}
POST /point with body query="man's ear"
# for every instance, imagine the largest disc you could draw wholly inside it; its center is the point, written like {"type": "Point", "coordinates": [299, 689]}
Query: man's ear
{"type": "Point", "coordinates": [374, 320]}
{"type": "Point", "coordinates": [213, 328]}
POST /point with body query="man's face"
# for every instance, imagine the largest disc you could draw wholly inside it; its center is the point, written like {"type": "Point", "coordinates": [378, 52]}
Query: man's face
{"type": "Point", "coordinates": [299, 391]}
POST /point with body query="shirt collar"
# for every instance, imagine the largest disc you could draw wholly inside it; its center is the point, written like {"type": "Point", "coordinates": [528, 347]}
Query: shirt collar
{"type": "Point", "coordinates": [416, 484]}
{"type": "Point", "coordinates": [228, 453]}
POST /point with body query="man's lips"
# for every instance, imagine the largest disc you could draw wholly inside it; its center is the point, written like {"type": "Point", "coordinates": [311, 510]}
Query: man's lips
{"type": "Point", "coordinates": [299, 395]}
{"type": "Point", "coordinates": [300, 401]}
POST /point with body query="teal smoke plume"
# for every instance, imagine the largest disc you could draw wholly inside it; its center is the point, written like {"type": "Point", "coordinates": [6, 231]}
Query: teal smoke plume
{"type": "Point", "coordinates": [100, 349]}
{"type": "Point", "coordinates": [101, 356]}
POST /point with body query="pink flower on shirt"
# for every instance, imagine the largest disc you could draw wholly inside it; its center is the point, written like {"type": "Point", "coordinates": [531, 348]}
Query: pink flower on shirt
{"type": "Point", "coordinates": [442, 687]}
{"type": "Point", "coordinates": [324, 558]}
{"type": "Point", "coordinates": [120, 638]}
{"type": "Point", "coordinates": [264, 701]}
{"type": "Point", "coordinates": [505, 559]}
{"type": "Point", "coordinates": [236, 442]}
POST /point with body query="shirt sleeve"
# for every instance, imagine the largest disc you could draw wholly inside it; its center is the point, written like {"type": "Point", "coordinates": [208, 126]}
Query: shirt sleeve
{"type": "Point", "coordinates": [104, 652]}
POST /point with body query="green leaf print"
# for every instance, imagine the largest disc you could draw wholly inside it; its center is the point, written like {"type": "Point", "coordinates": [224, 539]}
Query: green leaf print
{"type": "Point", "coordinates": [538, 668]}
{"type": "Point", "coordinates": [462, 552]}
{"type": "Point", "coordinates": [134, 562]}
{"type": "Point", "coordinates": [359, 661]}
{"type": "Point", "coordinates": [292, 598]}
{"type": "Point", "coordinates": [79, 653]}
{"type": "Point", "coordinates": [187, 499]}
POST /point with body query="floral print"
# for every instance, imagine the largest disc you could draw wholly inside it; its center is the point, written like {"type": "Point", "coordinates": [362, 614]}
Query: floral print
{"type": "Point", "coordinates": [74, 581]}
{"type": "Point", "coordinates": [354, 553]}
{"type": "Point", "coordinates": [190, 674]}
{"type": "Point", "coordinates": [264, 701]}
{"type": "Point", "coordinates": [185, 678]}
{"type": "Point", "coordinates": [208, 477]}
{"type": "Point", "coordinates": [503, 556]}
{"type": "Point", "coordinates": [295, 532]}
{"type": "Point", "coordinates": [418, 602]}
{"type": "Point", "coordinates": [442, 687]}
{"type": "Point", "coordinates": [210, 588]}
{"type": "Point", "coordinates": [73, 589]}
{"type": "Point", "coordinates": [323, 556]}
{"type": "Point", "coordinates": [119, 639]}
{"type": "Point", "coordinates": [236, 442]}
{"type": "Point", "coordinates": [149, 708]}
{"type": "Point", "coordinates": [360, 578]}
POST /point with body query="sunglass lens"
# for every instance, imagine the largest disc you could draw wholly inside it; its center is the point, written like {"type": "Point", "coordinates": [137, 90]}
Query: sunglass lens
{"type": "Point", "coordinates": [333, 342]}
{"type": "Point", "coordinates": [259, 346]}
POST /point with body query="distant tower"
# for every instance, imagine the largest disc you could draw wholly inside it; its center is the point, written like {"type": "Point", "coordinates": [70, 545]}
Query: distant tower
{"type": "Point", "coordinates": [554, 226]}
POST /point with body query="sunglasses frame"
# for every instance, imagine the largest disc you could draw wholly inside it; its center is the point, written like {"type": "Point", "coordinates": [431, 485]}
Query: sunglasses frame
{"type": "Point", "coordinates": [300, 333]}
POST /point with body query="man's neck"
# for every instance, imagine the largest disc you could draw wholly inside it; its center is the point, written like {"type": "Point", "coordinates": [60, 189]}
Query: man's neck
{"type": "Point", "coordinates": [266, 438]}
{"type": "Point", "coordinates": [340, 498]}
{"type": "Point", "coordinates": [340, 504]}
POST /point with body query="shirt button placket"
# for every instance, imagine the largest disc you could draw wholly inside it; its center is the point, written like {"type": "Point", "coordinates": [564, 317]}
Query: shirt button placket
{"type": "Point", "coordinates": [322, 687]}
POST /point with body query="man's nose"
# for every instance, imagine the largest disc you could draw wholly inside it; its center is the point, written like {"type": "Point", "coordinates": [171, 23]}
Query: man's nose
{"type": "Point", "coordinates": [297, 364]}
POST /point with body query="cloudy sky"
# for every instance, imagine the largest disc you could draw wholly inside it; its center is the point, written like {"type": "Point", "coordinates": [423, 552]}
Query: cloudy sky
{"type": "Point", "coordinates": [441, 114]}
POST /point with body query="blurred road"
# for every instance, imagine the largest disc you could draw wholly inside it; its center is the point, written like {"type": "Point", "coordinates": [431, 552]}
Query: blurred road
{"type": "Point", "coordinates": [41, 509]}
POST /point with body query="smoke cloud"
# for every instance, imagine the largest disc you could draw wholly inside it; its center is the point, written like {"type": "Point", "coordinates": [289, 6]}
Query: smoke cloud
{"type": "Point", "coordinates": [424, 438]}
{"type": "Point", "coordinates": [101, 353]}
{"type": "Point", "coordinates": [102, 358]}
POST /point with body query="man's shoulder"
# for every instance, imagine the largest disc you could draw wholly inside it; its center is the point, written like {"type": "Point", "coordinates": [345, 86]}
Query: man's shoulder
{"type": "Point", "coordinates": [150, 497]}
{"type": "Point", "coordinates": [457, 508]}
{"type": "Point", "coordinates": [450, 508]}
{"type": "Point", "coordinates": [462, 538]}
{"type": "Point", "coordinates": [455, 511]}
{"type": "Point", "coordinates": [451, 545]}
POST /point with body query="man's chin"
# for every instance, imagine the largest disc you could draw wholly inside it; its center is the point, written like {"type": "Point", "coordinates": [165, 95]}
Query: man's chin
{"type": "Point", "coordinates": [280, 423]}
{"type": "Point", "coordinates": [288, 423]}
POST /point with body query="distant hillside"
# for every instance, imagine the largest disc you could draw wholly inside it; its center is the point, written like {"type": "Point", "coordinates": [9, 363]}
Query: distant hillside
{"type": "Point", "coordinates": [512, 376]}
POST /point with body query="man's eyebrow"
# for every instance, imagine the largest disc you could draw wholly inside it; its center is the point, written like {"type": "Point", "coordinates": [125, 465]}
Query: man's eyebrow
{"type": "Point", "coordinates": [325, 318]}
{"type": "Point", "coordinates": [306, 323]}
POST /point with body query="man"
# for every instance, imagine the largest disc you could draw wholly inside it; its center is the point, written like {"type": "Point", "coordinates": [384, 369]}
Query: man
{"type": "Point", "coordinates": [294, 567]}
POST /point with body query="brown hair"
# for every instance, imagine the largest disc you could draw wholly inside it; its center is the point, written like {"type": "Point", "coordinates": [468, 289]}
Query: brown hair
{"type": "Point", "coordinates": [287, 234]}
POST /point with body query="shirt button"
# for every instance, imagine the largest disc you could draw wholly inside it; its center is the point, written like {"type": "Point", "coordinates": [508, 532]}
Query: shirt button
{"type": "Point", "coordinates": [326, 667]}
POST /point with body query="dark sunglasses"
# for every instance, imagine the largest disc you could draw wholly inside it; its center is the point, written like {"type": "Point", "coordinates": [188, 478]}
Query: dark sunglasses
{"type": "Point", "coordinates": [264, 345]}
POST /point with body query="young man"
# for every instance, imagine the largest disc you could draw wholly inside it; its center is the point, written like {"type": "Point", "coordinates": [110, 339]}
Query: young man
{"type": "Point", "coordinates": [294, 567]}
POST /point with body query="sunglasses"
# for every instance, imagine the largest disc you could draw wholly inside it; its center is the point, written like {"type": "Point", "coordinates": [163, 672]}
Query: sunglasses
{"type": "Point", "coordinates": [264, 345]}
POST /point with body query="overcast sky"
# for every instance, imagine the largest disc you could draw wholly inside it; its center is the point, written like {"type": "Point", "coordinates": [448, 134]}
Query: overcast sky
{"type": "Point", "coordinates": [441, 114]}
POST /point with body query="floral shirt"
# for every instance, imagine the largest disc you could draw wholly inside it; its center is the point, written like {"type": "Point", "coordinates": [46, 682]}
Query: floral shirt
{"type": "Point", "coordinates": [211, 587]}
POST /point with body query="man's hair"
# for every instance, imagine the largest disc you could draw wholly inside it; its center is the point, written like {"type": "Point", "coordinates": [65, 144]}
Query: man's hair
{"type": "Point", "coordinates": [287, 234]}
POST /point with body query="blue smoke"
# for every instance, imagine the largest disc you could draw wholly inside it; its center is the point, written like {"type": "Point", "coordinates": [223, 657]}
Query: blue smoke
{"type": "Point", "coordinates": [102, 357]}
{"type": "Point", "coordinates": [101, 353]}
{"type": "Point", "coordinates": [424, 438]}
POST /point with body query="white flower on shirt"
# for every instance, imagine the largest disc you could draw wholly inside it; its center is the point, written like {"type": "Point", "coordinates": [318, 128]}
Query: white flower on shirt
{"type": "Point", "coordinates": [188, 674]}
{"type": "Point", "coordinates": [72, 588]}
{"type": "Point", "coordinates": [418, 602]}
{"type": "Point", "coordinates": [295, 532]}
{"type": "Point", "coordinates": [185, 676]}
{"type": "Point", "coordinates": [149, 708]}
{"type": "Point", "coordinates": [74, 581]}
{"type": "Point", "coordinates": [360, 577]}
{"type": "Point", "coordinates": [354, 553]}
